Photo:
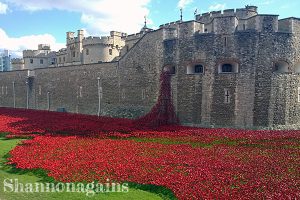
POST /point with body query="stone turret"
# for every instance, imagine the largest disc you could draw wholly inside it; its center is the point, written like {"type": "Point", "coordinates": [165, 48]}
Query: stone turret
{"type": "Point", "coordinates": [74, 47]}
{"type": "Point", "coordinates": [102, 49]}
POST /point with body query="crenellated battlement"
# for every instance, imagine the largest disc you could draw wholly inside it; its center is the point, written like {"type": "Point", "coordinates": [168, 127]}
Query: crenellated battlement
{"type": "Point", "coordinates": [117, 34]}
{"type": "Point", "coordinates": [170, 24]}
{"type": "Point", "coordinates": [132, 36]}
{"type": "Point", "coordinates": [226, 22]}
{"type": "Point", "coordinates": [72, 40]}
{"type": "Point", "coordinates": [240, 13]}
{"type": "Point", "coordinates": [34, 53]}
{"type": "Point", "coordinates": [104, 40]}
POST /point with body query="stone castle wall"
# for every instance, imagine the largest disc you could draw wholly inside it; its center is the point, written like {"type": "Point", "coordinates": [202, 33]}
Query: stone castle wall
{"type": "Point", "coordinates": [129, 88]}
{"type": "Point", "coordinates": [255, 95]}
{"type": "Point", "coordinates": [259, 96]}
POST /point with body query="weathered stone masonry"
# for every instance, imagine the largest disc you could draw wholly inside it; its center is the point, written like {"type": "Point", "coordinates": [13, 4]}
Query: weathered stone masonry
{"type": "Point", "coordinates": [231, 69]}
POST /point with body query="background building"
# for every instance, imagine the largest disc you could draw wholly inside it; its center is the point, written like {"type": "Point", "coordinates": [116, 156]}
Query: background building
{"type": "Point", "coordinates": [17, 64]}
{"type": "Point", "coordinates": [40, 58]}
{"type": "Point", "coordinates": [5, 61]}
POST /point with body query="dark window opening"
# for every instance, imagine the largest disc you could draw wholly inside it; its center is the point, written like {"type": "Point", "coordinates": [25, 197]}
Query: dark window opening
{"type": "Point", "coordinates": [31, 61]}
{"type": "Point", "coordinates": [281, 67]}
{"type": "Point", "coordinates": [198, 69]}
{"type": "Point", "coordinates": [227, 68]}
{"type": "Point", "coordinates": [87, 52]}
{"type": "Point", "coordinates": [74, 54]}
{"type": "Point", "coordinates": [277, 67]}
{"type": "Point", "coordinates": [227, 96]}
{"type": "Point", "coordinates": [172, 70]}
{"type": "Point", "coordinates": [41, 61]}
{"type": "Point", "coordinates": [110, 51]}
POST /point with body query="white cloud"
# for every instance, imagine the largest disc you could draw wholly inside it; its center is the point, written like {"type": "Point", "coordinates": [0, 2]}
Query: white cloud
{"type": "Point", "coordinates": [217, 6]}
{"type": "Point", "coordinates": [99, 16]}
{"type": "Point", "coordinates": [266, 2]}
{"type": "Point", "coordinates": [3, 8]}
{"type": "Point", "coordinates": [17, 45]}
{"type": "Point", "coordinates": [184, 3]}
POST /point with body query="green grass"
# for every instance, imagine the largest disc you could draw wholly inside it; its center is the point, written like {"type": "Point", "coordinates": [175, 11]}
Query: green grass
{"type": "Point", "coordinates": [136, 191]}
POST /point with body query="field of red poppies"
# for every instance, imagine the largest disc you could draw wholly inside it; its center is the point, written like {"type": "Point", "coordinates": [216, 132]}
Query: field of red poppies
{"type": "Point", "coordinates": [195, 163]}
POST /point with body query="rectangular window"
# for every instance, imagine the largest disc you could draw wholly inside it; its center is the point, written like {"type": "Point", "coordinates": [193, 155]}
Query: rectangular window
{"type": "Point", "coordinates": [299, 94]}
{"type": "Point", "coordinates": [59, 59]}
{"type": "Point", "coordinates": [40, 90]}
{"type": "Point", "coordinates": [198, 69]}
{"type": "Point", "coordinates": [226, 95]}
{"type": "Point", "coordinates": [225, 41]}
{"type": "Point", "coordinates": [41, 61]}
{"type": "Point", "coordinates": [110, 51]}
{"type": "Point", "coordinates": [143, 94]}
{"type": "Point", "coordinates": [31, 61]}
{"type": "Point", "coordinates": [87, 52]}
{"type": "Point", "coordinates": [227, 68]}
{"type": "Point", "coordinates": [64, 59]}
{"type": "Point", "coordinates": [74, 54]}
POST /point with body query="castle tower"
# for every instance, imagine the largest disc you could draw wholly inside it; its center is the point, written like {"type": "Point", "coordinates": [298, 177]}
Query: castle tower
{"type": "Point", "coordinates": [74, 47]}
{"type": "Point", "coordinates": [69, 36]}
{"type": "Point", "coordinates": [102, 49]}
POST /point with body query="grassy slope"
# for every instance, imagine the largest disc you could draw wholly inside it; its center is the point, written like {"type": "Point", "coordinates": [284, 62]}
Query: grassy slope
{"type": "Point", "coordinates": [27, 177]}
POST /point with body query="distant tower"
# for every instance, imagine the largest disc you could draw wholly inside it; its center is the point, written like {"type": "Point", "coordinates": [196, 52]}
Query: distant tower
{"type": "Point", "coordinates": [195, 13]}
{"type": "Point", "coordinates": [145, 17]}
{"type": "Point", "coordinates": [145, 28]}
{"type": "Point", "coordinates": [181, 14]}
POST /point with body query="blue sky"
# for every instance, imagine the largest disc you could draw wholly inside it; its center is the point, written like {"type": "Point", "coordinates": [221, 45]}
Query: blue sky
{"type": "Point", "coordinates": [24, 24]}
